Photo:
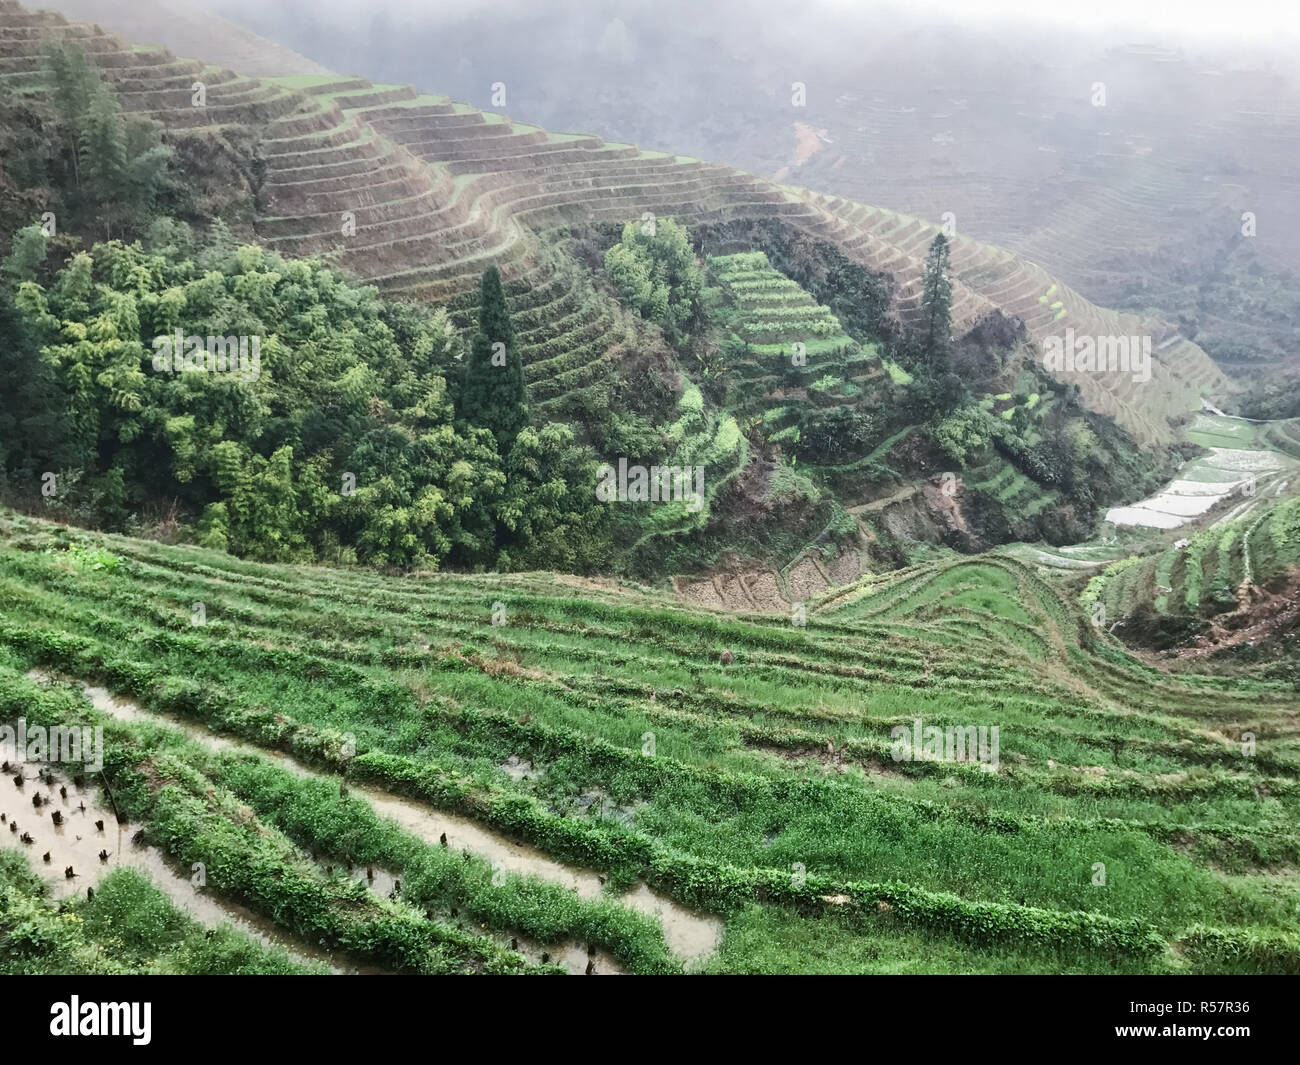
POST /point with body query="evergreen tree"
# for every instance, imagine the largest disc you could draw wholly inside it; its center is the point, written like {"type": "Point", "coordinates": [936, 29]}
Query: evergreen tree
{"type": "Point", "coordinates": [115, 165]}
{"type": "Point", "coordinates": [102, 152]}
{"type": "Point", "coordinates": [74, 84]}
{"type": "Point", "coordinates": [936, 300]}
{"type": "Point", "coordinates": [148, 161]}
{"type": "Point", "coordinates": [492, 393]}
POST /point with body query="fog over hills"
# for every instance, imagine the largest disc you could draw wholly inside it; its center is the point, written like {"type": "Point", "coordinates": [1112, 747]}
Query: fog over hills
{"type": "Point", "coordinates": [1136, 204]}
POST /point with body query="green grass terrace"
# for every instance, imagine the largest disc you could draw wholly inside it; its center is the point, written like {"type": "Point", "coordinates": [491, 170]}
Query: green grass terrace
{"type": "Point", "coordinates": [604, 780]}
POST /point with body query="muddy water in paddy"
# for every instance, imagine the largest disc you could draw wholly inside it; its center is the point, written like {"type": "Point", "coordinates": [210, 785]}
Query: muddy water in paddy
{"type": "Point", "coordinates": [77, 844]}
{"type": "Point", "coordinates": [690, 936]}
{"type": "Point", "coordinates": [571, 955]}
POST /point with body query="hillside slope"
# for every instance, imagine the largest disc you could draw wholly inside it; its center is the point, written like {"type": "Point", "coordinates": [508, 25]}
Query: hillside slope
{"type": "Point", "coordinates": [419, 193]}
{"type": "Point", "coordinates": [1125, 166]}
{"type": "Point", "coordinates": [1234, 586]}
{"type": "Point", "coordinates": [189, 28]}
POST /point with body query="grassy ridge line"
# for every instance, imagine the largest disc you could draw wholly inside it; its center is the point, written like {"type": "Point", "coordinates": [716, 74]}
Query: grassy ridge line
{"type": "Point", "coordinates": [1260, 847]}
{"type": "Point", "coordinates": [933, 671]}
{"type": "Point", "coordinates": [180, 632]}
{"type": "Point", "coordinates": [747, 632]}
{"type": "Point", "coordinates": [1265, 846]}
{"type": "Point", "coordinates": [282, 660]}
{"type": "Point", "coordinates": [336, 653]}
{"type": "Point", "coordinates": [1124, 680]}
{"type": "Point", "coordinates": [692, 880]}
{"type": "Point", "coordinates": [306, 666]}
{"type": "Point", "coordinates": [554, 742]}
{"type": "Point", "coordinates": [705, 625]}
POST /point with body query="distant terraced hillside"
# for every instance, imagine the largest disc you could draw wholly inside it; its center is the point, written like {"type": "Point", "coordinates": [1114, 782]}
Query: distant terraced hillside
{"type": "Point", "coordinates": [1109, 197]}
{"type": "Point", "coordinates": [1139, 203]}
{"type": "Point", "coordinates": [1096, 190]}
{"type": "Point", "coordinates": [188, 28]}
{"type": "Point", "coordinates": [419, 193]}
{"type": "Point", "coordinates": [1121, 166]}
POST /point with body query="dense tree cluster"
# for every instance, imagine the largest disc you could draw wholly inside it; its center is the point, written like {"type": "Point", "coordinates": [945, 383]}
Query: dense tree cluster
{"type": "Point", "coordinates": [333, 435]}
{"type": "Point", "coordinates": [655, 271]}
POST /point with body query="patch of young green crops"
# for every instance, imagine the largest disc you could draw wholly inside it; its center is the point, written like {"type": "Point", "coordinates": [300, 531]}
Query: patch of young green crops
{"type": "Point", "coordinates": [128, 927]}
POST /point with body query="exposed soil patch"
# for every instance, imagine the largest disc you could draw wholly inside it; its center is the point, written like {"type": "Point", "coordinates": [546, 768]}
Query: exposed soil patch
{"type": "Point", "coordinates": [1260, 614]}
{"type": "Point", "coordinates": [807, 143]}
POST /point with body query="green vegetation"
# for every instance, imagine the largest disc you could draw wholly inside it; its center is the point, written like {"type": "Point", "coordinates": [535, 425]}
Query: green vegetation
{"type": "Point", "coordinates": [779, 343]}
{"type": "Point", "coordinates": [78, 156]}
{"type": "Point", "coordinates": [1230, 584]}
{"type": "Point", "coordinates": [309, 550]}
{"type": "Point", "coordinates": [128, 927]}
{"type": "Point", "coordinates": [1102, 759]}
{"type": "Point", "coordinates": [280, 412]}
{"type": "Point", "coordinates": [936, 300]}
{"type": "Point", "coordinates": [355, 454]}
{"type": "Point", "coordinates": [774, 312]}
{"type": "Point", "coordinates": [654, 269]}
{"type": "Point", "coordinates": [492, 394]}
{"type": "Point", "coordinates": [896, 373]}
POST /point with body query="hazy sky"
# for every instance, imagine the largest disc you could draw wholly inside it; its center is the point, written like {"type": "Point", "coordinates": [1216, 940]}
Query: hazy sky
{"type": "Point", "coordinates": [1234, 18]}
{"type": "Point", "coordinates": [1248, 18]}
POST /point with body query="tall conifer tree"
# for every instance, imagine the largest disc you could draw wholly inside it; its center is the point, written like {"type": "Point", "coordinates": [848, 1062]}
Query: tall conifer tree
{"type": "Point", "coordinates": [936, 299]}
{"type": "Point", "coordinates": [492, 393]}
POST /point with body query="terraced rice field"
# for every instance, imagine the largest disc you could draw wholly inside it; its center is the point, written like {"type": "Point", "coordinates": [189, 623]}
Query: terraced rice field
{"type": "Point", "coordinates": [985, 277]}
{"type": "Point", "coordinates": [417, 194]}
{"type": "Point", "coordinates": [1209, 572]}
{"type": "Point", "coordinates": [611, 793]}
{"type": "Point", "coordinates": [775, 311]}
{"type": "Point", "coordinates": [796, 350]}
{"type": "Point", "coordinates": [1000, 479]}
{"type": "Point", "coordinates": [1062, 560]}
{"type": "Point", "coordinates": [1283, 436]}
{"type": "Point", "coordinates": [1236, 468]}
